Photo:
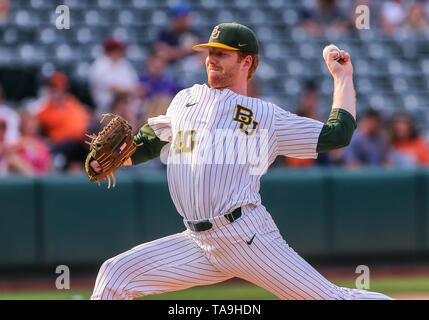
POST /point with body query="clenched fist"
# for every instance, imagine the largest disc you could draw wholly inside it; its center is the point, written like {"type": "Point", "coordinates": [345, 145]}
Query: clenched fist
{"type": "Point", "coordinates": [338, 62]}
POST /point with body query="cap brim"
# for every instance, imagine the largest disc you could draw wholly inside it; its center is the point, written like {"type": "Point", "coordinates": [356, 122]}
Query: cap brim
{"type": "Point", "coordinates": [206, 46]}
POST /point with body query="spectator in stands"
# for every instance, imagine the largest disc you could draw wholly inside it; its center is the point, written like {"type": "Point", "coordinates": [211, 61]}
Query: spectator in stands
{"type": "Point", "coordinates": [176, 42]}
{"type": "Point", "coordinates": [254, 87]}
{"type": "Point", "coordinates": [325, 18]}
{"type": "Point", "coordinates": [309, 102]}
{"type": "Point", "coordinates": [155, 80]}
{"type": "Point", "coordinates": [393, 14]}
{"type": "Point", "coordinates": [158, 88]}
{"type": "Point", "coordinates": [30, 155]}
{"type": "Point", "coordinates": [309, 106]}
{"type": "Point", "coordinates": [112, 74]}
{"type": "Point", "coordinates": [416, 20]}
{"type": "Point", "coordinates": [12, 119]}
{"type": "Point", "coordinates": [64, 120]}
{"type": "Point", "coordinates": [409, 147]}
{"type": "Point", "coordinates": [369, 146]}
{"type": "Point", "coordinates": [425, 6]}
{"type": "Point", "coordinates": [4, 11]}
{"type": "Point", "coordinates": [3, 147]}
{"type": "Point", "coordinates": [123, 108]}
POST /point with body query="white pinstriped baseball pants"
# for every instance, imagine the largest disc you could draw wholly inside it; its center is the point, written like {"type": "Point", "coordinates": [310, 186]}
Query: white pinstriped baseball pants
{"type": "Point", "coordinates": [190, 259]}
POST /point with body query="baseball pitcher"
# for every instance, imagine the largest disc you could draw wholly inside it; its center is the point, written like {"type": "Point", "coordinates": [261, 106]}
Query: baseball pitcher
{"type": "Point", "coordinates": [221, 142]}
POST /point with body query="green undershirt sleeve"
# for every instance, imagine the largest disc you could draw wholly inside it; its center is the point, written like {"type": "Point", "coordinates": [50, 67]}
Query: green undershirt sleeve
{"type": "Point", "coordinates": [337, 132]}
{"type": "Point", "coordinates": [151, 147]}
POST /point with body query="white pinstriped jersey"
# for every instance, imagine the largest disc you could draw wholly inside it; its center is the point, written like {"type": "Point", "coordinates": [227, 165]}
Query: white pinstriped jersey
{"type": "Point", "coordinates": [222, 143]}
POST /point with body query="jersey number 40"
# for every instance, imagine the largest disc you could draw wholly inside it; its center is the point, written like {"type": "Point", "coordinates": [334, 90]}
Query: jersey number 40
{"type": "Point", "coordinates": [184, 142]}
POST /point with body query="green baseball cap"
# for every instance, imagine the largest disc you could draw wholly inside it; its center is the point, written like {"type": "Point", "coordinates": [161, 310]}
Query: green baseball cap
{"type": "Point", "coordinates": [231, 36]}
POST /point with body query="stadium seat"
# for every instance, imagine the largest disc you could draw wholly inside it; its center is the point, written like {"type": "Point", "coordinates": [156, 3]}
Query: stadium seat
{"type": "Point", "coordinates": [76, 4]}
{"type": "Point", "coordinates": [398, 84]}
{"type": "Point", "coordinates": [292, 86]}
{"type": "Point", "coordinates": [410, 102]}
{"type": "Point", "coordinates": [6, 54]}
{"type": "Point", "coordinates": [10, 36]}
{"type": "Point", "coordinates": [290, 17]}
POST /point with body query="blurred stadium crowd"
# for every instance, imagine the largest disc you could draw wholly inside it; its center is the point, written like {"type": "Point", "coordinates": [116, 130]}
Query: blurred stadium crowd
{"type": "Point", "coordinates": [130, 57]}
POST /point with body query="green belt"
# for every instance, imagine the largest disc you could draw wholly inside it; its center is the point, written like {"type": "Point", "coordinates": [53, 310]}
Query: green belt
{"type": "Point", "coordinates": [207, 225]}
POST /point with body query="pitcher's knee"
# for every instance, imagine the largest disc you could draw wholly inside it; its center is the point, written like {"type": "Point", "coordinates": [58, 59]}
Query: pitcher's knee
{"type": "Point", "coordinates": [109, 284]}
{"type": "Point", "coordinates": [109, 266]}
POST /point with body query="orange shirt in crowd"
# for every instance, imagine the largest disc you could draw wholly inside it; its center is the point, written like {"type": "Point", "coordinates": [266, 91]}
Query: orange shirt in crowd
{"type": "Point", "coordinates": [68, 121]}
{"type": "Point", "coordinates": [417, 149]}
{"type": "Point", "coordinates": [299, 163]}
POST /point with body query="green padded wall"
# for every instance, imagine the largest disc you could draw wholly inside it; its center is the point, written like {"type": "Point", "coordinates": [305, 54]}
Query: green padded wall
{"type": "Point", "coordinates": [85, 223]}
{"type": "Point", "coordinates": [156, 215]}
{"type": "Point", "coordinates": [67, 220]}
{"type": "Point", "coordinates": [296, 201]}
{"type": "Point", "coordinates": [424, 209]}
{"type": "Point", "coordinates": [18, 235]}
{"type": "Point", "coordinates": [374, 211]}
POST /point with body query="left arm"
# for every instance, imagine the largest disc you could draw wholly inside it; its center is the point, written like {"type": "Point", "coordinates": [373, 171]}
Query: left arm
{"type": "Point", "coordinates": [151, 146]}
{"type": "Point", "coordinates": [149, 149]}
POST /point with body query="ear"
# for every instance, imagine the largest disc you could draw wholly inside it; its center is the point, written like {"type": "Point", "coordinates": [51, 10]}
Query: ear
{"type": "Point", "coordinates": [247, 62]}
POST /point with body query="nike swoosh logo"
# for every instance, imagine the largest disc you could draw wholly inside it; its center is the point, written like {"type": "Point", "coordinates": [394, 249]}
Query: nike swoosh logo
{"type": "Point", "coordinates": [191, 104]}
{"type": "Point", "coordinates": [251, 240]}
{"type": "Point", "coordinates": [242, 45]}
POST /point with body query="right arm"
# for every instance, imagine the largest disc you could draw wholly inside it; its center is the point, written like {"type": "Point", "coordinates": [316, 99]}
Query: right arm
{"type": "Point", "coordinates": [338, 130]}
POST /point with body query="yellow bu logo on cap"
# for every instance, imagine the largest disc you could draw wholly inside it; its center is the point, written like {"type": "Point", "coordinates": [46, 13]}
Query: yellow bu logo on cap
{"type": "Point", "coordinates": [215, 33]}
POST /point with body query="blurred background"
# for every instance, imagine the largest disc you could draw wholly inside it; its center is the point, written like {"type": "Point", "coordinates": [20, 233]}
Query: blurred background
{"type": "Point", "coordinates": [130, 57]}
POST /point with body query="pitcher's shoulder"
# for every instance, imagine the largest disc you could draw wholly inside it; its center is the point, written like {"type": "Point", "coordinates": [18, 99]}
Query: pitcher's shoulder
{"type": "Point", "coordinates": [268, 107]}
{"type": "Point", "coordinates": [195, 89]}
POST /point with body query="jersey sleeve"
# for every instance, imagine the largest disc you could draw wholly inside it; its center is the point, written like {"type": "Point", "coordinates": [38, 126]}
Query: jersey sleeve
{"type": "Point", "coordinates": [296, 136]}
{"type": "Point", "coordinates": [161, 125]}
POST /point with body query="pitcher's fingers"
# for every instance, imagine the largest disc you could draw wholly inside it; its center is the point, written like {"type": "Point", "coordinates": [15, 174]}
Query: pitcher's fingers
{"type": "Point", "coordinates": [95, 166]}
{"type": "Point", "coordinates": [333, 55]}
{"type": "Point", "coordinates": [128, 162]}
{"type": "Point", "coordinates": [342, 54]}
{"type": "Point", "coordinates": [347, 57]}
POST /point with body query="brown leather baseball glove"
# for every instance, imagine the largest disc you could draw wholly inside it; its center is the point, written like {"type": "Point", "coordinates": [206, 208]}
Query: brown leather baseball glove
{"type": "Point", "coordinates": [110, 149]}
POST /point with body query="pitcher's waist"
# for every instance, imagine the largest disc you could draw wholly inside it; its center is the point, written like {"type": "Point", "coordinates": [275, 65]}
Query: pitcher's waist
{"type": "Point", "coordinates": [204, 225]}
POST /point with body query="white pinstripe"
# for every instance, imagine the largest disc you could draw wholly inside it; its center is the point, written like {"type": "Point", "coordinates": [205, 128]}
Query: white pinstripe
{"type": "Point", "coordinates": [208, 189]}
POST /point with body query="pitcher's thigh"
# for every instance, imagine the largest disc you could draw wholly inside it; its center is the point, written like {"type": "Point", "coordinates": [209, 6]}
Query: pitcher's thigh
{"type": "Point", "coordinates": [279, 269]}
{"type": "Point", "coordinates": [167, 264]}
{"type": "Point", "coordinates": [270, 263]}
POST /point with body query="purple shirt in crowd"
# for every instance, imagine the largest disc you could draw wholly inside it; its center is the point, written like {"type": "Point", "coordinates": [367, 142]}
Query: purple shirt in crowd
{"type": "Point", "coordinates": [159, 85]}
{"type": "Point", "coordinates": [368, 150]}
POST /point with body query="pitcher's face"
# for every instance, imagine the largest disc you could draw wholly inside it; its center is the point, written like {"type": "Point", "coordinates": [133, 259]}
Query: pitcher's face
{"type": "Point", "coordinates": [222, 67]}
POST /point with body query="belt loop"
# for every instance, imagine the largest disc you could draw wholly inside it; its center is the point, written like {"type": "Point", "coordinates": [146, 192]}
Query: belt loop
{"type": "Point", "coordinates": [191, 226]}
{"type": "Point", "coordinates": [234, 215]}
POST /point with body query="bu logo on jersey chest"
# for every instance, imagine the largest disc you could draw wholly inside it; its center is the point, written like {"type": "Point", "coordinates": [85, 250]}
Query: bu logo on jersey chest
{"type": "Point", "coordinates": [244, 116]}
